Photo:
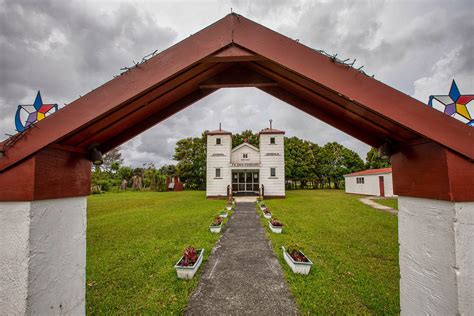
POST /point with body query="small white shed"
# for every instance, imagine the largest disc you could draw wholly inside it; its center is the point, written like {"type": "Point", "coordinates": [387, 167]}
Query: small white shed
{"type": "Point", "coordinates": [370, 182]}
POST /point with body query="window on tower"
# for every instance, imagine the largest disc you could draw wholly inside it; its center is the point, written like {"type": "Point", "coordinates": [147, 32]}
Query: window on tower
{"type": "Point", "coordinates": [218, 141]}
{"type": "Point", "coordinates": [272, 172]}
{"type": "Point", "coordinates": [272, 140]}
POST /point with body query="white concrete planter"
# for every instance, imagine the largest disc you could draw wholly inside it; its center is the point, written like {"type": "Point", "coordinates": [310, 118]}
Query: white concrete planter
{"type": "Point", "coordinates": [229, 208]}
{"type": "Point", "coordinates": [267, 215]}
{"type": "Point", "coordinates": [275, 229]}
{"type": "Point", "coordinates": [188, 272]}
{"type": "Point", "coordinates": [223, 215]}
{"type": "Point", "coordinates": [262, 208]}
{"type": "Point", "coordinates": [215, 229]}
{"type": "Point", "coordinates": [297, 267]}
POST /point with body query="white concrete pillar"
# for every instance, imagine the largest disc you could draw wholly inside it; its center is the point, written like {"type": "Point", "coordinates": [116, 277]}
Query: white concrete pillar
{"type": "Point", "coordinates": [436, 256]}
{"type": "Point", "coordinates": [43, 257]}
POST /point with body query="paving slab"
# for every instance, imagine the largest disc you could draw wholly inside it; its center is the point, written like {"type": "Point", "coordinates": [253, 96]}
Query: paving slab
{"type": "Point", "coordinates": [243, 275]}
{"type": "Point", "coordinates": [370, 202]}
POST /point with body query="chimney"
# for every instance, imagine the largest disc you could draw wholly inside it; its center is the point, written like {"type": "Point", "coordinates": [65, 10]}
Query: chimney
{"type": "Point", "coordinates": [271, 123]}
{"type": "Point", "coordinates": [220, 127]}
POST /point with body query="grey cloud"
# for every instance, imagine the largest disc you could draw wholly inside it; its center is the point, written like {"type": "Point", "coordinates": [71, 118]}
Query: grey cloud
{"type": "Point", "coordinates": [66, 49]}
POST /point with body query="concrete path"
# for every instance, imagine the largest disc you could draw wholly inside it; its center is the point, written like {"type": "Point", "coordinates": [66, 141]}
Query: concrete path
{"type": "Point", "coordinates": [242, 276]}
{"type": "Point", "coordinates": [245, 199]}
{"type": "Point", "coordinates": [370, 202]}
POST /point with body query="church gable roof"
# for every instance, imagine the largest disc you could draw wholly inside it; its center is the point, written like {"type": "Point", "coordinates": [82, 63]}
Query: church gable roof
{"type": "Point", "coordinates": [245, 145]}
{"type": "Point", "coordinates": [271, 131]}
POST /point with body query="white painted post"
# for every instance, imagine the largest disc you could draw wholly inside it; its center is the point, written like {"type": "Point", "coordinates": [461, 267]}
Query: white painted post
{"type": "Point", "coordinates": [43, 257]}
{"type": "Point", "coordinates": [436, 256]}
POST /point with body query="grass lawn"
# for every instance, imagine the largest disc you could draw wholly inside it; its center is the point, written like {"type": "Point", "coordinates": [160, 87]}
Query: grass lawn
{"type": "Point", "coordinates": [390, 202]}
{"type": "Point", "coordinates": [133, 241]}
{"type": "Point", "coordinates": [354, 249]}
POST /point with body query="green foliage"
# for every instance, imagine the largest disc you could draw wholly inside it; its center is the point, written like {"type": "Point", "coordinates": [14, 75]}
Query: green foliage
{"type": "Point", "coordinates": [191, 156]}
{"type": "Point", "coordinates": [168, 170]}
{"type": "Point", "coordinates": [337, 161]}
{"type": "Point", "coordinates": [111, 174]}
{"type": "Point", "coordinates": [252, 138]}
{"type": "Point", "coordinates": [373, 161]}
{"type": "Point", "coordinates": [306, 162]}
{"type": "Point", "coordinates": [154, 179]}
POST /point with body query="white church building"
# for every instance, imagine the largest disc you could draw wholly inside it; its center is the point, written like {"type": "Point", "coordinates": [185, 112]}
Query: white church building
{"type": "Point", "coordinates": [245, 169]}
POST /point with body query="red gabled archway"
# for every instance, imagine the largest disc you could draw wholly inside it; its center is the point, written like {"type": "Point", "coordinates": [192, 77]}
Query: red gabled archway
{"type": "Point", "coordinates": [432, 154]}
{"type": "Point", "coordinates": [429, 148]}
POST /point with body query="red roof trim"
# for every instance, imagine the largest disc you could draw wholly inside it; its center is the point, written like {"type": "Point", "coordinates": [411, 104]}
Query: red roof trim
{"type": "Point", "coordinates": [271, 131]}
{"type": "Point", "coordinates": [369, 172]}
{"type": "Point", "coordinates": [218, 132]}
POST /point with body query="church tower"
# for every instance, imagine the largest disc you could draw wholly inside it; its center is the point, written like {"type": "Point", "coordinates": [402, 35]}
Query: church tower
{"type": "Point", "coordinates": [218, 175]}
{"type": "Point", "coordinates": [272, 159]}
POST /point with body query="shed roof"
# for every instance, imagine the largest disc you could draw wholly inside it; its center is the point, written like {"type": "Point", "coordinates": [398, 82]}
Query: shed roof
{"type": "Point", "coordinates": [369, 172]}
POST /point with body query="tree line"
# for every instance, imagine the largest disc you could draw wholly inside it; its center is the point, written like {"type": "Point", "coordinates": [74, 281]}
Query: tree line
{"type": "Point", "coordinates": [307, 165]}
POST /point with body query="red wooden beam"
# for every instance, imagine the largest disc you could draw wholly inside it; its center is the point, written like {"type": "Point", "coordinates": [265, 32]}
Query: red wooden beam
{"type": "Point", "coordinates": [49, 174]}
{"type": "Point", "coordinates": [428, 170]}
{"type": "Point", "coordinates": [372, 94]}
{"type": "Point", "coordinates": [236, 77]}
{"type": "Point", "coordinates": [337, 99]}
{"type": "Point", "coordinates": [122, 90]}
{"type": "Point", "coordinates": [118, 113]}
{"type": "Point", "coordinates": [151, 107]}
{"type": "Point", "coordinates": [314, 109]}
{"type": "Point", "coordinates": [317, 101]}
{"type": "Point", "coordinates": [155, 119]}
{"type": "Point", "coordinates": [233, 53]}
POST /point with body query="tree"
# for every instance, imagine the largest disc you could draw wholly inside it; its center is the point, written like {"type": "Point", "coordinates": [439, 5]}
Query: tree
{"type": "Point", "coordinates": [374, 161]}
{"type": "Point", "coordinates": [337, 161]}
{"type": "Point", "coordinates": [298, 160]}
{"type": "Point", "coordinates": [251, 137]}
{"type": "Point", "coordinates": [112, 160]}
{"type": "Point", "coordinates": [191, 156]}
{"type": "Point", "coordinates": [168, 170]}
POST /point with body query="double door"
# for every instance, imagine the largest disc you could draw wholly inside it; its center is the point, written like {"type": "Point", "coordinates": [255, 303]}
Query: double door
{"type": "Point", "coordinates": [245, 181]}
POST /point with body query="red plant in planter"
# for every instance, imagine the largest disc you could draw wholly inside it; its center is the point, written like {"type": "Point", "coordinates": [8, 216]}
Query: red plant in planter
{"type": "Point", "coordinates": [217, 221]}
{"type": "Point", "coordinates": [266, 210]}
{"type": "Point", "coordinates": [276, 222]}
{"type": "Point", "coordinates": [296, 255]}
{"type": "Point", "coordinates": [190, 257]}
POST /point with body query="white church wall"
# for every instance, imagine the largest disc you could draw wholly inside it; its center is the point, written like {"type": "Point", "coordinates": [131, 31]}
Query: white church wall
{"type": "Point", "coordinates": [272, 156]}
{"type": "Point", "coordinates": [218, 156]}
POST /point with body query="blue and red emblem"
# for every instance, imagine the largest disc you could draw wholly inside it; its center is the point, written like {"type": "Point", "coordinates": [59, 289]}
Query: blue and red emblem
{"type": "Point", "coordinates": [26, 115]}
{"type": "Point", "coordinates": [454, 104]}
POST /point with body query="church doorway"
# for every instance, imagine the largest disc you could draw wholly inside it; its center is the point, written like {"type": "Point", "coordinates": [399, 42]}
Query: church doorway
{"type": "Point", "coordinates": [245, 182]}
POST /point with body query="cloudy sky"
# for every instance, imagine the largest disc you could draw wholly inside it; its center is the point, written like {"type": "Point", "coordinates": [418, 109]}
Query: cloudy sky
{"type": "Point", "coordinates": [67, 48]}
